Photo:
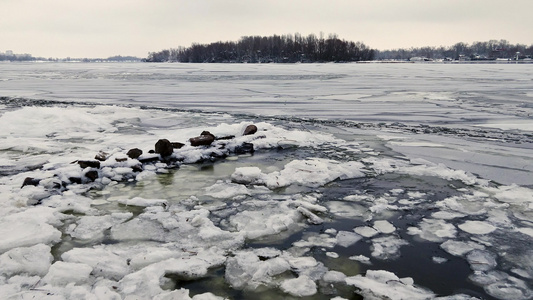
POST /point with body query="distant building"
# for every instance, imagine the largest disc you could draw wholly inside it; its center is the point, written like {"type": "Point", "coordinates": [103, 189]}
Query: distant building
{"type": "Point", "coordinates": [9, 52]}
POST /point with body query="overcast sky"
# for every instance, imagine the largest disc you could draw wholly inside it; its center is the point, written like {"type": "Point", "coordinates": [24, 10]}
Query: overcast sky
{"type": "Point", "coordinates": [102, 28]}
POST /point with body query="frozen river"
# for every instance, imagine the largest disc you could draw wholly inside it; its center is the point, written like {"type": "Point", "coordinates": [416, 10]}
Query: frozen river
{"type": "Point", "coordinates": [408, 181]}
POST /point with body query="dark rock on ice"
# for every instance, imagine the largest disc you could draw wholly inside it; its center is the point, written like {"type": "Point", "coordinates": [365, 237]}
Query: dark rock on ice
{"type": "Point", "coordinates": [149, 159]}
{"type": "Point", "coordinates": [30, 181]}
{"type": "Point", "coordinates": [134, 153]}
{"type": "Point", "coordinates": [250, 129]}
{"type": "Point", "coordinates": [89, 164]}
{"type": "Point", "coordinates": [75, 180]}
{"type": "Point", "coordinates": [177, 145]}
{"type": "Point", "coordinates": [229, 137]}
{"type": "Point", "coordinates": [101, 156]}
{"type": "Point", "coordinates": [121, 159]}
{"type": "Point", "coordinates": [205, 132]}
{"type": "Point", "coordinates": [92, 175]}
{"type": "Point", "coordinates": [205, 139]}
{"type": "Point", "coordinates": [164, 147]}
{"type": "Point", "coordinates": [137, 168]}
{"type": "Point", "coordinates": [244, 148]}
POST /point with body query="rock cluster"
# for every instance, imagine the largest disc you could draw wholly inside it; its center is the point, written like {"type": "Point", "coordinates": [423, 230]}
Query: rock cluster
{"type": "Point", "coordinates": [213, 148]}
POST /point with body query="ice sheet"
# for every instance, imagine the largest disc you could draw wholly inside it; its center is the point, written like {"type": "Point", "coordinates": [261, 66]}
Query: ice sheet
{"type": "Point", "coordinates": [351, 164]}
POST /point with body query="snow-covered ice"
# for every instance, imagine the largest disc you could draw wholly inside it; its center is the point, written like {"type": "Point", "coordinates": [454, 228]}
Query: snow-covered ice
{"type": "Point", "coordinates": [342, 187]}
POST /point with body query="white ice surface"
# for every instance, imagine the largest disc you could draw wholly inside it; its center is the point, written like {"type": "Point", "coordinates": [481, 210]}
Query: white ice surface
{"type": "Point", "coordinates": [163, 236]}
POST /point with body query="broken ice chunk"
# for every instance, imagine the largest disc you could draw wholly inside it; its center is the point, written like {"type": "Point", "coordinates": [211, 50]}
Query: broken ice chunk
{"type": "Point", "coordinates": [334, 276]}
{"type": "Point", "coordinates": [481, 260]}
{"type": "Point", "coordinates": [458, 248]}
{"type": "Point", "coordinates": [477, 227]}
{"type": "Point", "coordinates": [433, 230]}
{"type": "Point", "coordinates": [223, 190]}
{"type": "Point", "coordinates": [366, 231]}
{"type": "Point", "coordinates": [311, 217]}
{"type": "Point", "coordinates": [35, 260]}
{"type": "Point", "coordinates": [62, 273]}
{"type": "Point", "coordinates": [92, 227]}
{"type": "Point", "coordinates": [387, 247]}
{"type": "Point", "coordinates": [346, 238]}
{"type": "Point", "coordinates": [379, 284]}
{"type": "Point", "coordinates": [247, 270]}
{"type": "Point", "coordinates": [384, 226]}
{"type": "Point", "coordinates": [299, 287]}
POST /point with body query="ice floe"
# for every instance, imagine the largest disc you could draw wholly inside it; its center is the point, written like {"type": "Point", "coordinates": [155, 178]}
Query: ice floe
{"type": "Point", "coordinates": [379, 284]}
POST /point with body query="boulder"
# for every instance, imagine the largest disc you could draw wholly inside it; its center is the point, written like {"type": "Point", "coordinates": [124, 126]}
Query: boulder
{"type": "Point", "coordinates": [89, 164]}
{"type": "Point", "coordinates": [177, 145]}
{"type": "Point", "coordinates": [229, 137]}
{"type": "Point", "coordinates": [250, 129]}
{"type": "Point", "coordinates": [134, 153]}
{"type": "Point", "coordinates": [164, 147]}
{"type": "Point", "coordinates": [205, 132]}
{"type": "Point", "coordinates": [92, 175]}
{"type": "Point", "coordinates": [101, 156]}
{"type": "Point", "coordinates": [205, 139]}
{"type": "Point", "coordinates": [30, 181]}
{"type": "Point", "coordinates": [75, 180]}
{"type": "Point", "coordinates": [137, 168]}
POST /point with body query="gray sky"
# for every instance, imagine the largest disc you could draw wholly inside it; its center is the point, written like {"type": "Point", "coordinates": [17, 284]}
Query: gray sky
{"type": "Point", "coordinates": [102, 28]}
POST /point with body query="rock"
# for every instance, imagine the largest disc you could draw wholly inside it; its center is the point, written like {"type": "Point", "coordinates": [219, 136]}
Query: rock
{"type": "Point", "coordinates": [205, 132]}
{"type": "Point", "coordinates": [137, 168]}
{"type": "Point", "coordinates": [121, 159]}
{"type": "Point", "coordinates": [250, 129]}
{"type": "Point", "coordinates": [30, 181]}
{"type": "Point", "coordinates": [75, 180]}
{"type": "Point", "coordinates": [205, 139]}
{"type": "Point", "coordinates": [89, 164]}
{"type": "Point", "coordinates": [244, 148]}
{"type": "Point", "coordinates": [101, 156]}
{"type": "Point", "coordinates": [134, 153]}
{"type": "Point", "coordinates": [164, 147]}
{"type": "Point", "coordinates": [177, 145]}
{"type": "Point", "coordinates": [92, 175]}
{"type": "Point", "coordinates": [229, 137]}
{"type": "Point", "coordinates": [149, 159]}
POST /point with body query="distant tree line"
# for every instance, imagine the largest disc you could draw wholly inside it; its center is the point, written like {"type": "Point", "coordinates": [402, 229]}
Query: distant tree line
{"type": "Point", "coordinates": [277, 48]}
{"type": "Point", "coordinates": [490, 50]}
{"type": "Point", "coordinates": [16, 57]}
{"type": "Point", "coordinates": [28, 57]}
